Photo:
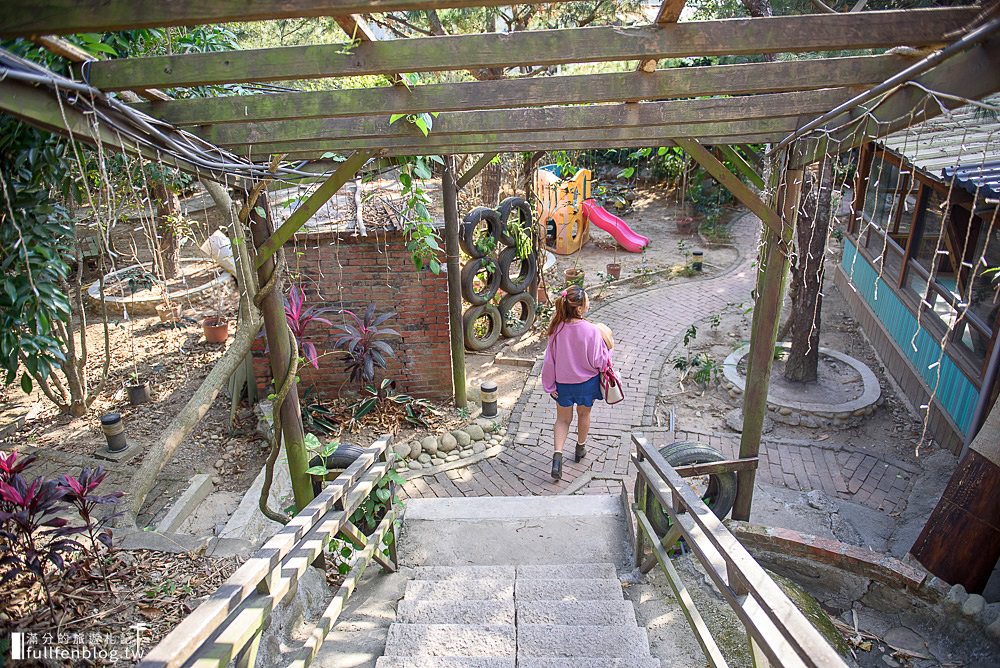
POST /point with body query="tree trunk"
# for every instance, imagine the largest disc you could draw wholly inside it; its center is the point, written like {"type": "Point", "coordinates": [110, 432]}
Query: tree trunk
{"type": "Point", "coordinates": [760, 8]}
{"type": "Point", "coordinates": [168, 211]}
{"type": "Point", "coordinates": [491, 185]}
{"type": "Point", "coordinates": [527, 174]}
{"type": "Point", "coordinates": [811, 232]}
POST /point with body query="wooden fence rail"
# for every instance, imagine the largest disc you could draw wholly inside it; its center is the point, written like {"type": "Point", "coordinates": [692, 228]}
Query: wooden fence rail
{"type": "Point", "coordinates": [778, 632]}
{"type": "Point", "coordinates": [228, 625]}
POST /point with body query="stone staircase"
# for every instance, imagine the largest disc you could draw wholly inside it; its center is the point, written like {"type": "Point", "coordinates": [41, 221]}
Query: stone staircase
{"type": "Point", "coordinates": [530, 616]}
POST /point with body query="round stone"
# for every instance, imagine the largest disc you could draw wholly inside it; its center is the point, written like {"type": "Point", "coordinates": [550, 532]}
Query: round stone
{"type": "Point", "coordinates": [402, 449]}
{"type": "Point", "coordinates": [485, 424]}
{"type": "Point", "coordinates": [784, 410]}
{"type": "Point", "coordinates": [447, 443]}
{"type": "Point", "coordinates": [973, 605]}
{"type": "Point", "coordinates": [415, 465]}
{"type": "Point", "coordinates": [429, 444]}
{"type": "Point", "coordinates": [219, 464]}
{"type": "Point", "coordinates": [479, 446]}
{"type": "Point", "coordinates": [734, 420]}
{"type": "Point", "coordinates": [415, 449]}
{"type": "Point", "coordinates": [475, 432]}
{"type": "Point", "coordinates": [451, 458]}
{"type": "Point", "coordinates": [462, 437]}
{"type": "Point", "coordinates": [466, 453]}
{"type": "Point", "coordinates": [437, 461]}
{"type": "Point", "coordinates": [424, 458]}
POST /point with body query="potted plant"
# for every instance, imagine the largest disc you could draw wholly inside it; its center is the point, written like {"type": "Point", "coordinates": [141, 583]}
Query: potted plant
{"type": "Point", "coordinates": [169, 312]}
{"type": "Point", "coordinates": [137, 388]}
{"type": "Point", "coordinates": [216, 327]}
{"type": "Point", "coordinates": [685, 221]}
{"type": "Point", "coordinates": [614, 269]}
{"type": "Point", "coordinates": [574, 275]}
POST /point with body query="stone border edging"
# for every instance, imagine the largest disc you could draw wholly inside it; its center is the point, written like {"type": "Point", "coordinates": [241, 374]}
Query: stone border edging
{"type": "Point", "coordinates": [794, 412]}
{"type": "Point", "coordinates": [488, 453]}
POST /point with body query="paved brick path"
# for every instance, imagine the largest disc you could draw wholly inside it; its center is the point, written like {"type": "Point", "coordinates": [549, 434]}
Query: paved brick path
{"type": "Point", "coordinates": [648, 325]}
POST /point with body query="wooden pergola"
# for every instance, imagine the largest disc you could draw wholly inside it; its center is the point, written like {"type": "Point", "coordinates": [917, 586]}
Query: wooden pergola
{"type": "Point", "coordinates": [692, 107]}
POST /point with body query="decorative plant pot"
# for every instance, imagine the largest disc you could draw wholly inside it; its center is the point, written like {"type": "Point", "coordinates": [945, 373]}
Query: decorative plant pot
{"type": "Point", "coordinates": [169, 313]}
{"type": "Point", "coordinates": [574, 276]}
{"type": "Point", "coordinates": [614, 270]}
{"type": "Point", "coordinates": [542, 295]}
{"type": "Point", "coordinates": [685, 224]}
{"type": "Point", "coordinates": [216, 329]}
{"type": "Point", "coordinates": [138, 393]}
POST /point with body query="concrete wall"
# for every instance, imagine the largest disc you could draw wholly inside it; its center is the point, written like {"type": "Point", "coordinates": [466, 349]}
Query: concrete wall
{"type": "Point", "coordinates": [348, 272]}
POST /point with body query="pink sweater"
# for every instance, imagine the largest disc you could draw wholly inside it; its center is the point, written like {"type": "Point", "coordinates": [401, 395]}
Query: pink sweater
{"type": "Point", "coordinates": [574, 354]}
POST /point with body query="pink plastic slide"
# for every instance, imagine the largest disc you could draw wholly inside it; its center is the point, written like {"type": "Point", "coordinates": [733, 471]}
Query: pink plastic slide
{"type": "Point", "coordinates": [615, 226]}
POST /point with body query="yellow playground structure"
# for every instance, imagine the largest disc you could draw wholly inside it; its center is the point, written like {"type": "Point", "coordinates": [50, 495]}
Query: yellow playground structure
{"type": "Point", "coordinates": [560, 208]}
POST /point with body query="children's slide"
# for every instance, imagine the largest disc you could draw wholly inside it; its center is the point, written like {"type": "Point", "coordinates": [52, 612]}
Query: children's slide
{"type": "Point", "coordinates": [615, 226]}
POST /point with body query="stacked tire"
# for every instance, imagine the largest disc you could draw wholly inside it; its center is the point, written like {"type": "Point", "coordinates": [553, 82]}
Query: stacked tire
{"type": "Point", "coordinates": [487, 237]}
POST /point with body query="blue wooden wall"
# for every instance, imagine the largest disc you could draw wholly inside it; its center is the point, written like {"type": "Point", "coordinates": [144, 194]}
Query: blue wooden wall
{"type": "Point", "coordinates": [955, 392]}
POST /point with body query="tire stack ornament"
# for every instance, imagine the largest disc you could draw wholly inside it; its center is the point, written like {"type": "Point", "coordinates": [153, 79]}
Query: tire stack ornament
{"type": "Point", "coordinates": [492, 247]}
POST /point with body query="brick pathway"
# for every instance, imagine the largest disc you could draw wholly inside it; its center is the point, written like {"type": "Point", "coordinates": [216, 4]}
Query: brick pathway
{"type": "Point", "coordinates": [648, 325]}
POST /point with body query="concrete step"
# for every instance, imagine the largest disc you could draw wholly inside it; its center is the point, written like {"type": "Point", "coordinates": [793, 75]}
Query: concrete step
{"type": "Point", "coordinates": [445, 573]}
{"type": "Point", "coordinates": [445, 662]}
{"type": "Point", "coordinates": [460, 590]}
{"type": "Point", "coordinates": [567, 590]}
{"type": "Point", "coordinates": [455, 612]}
{"type": "Point", "coordinates": [588, 662]}
{"type": "Point", "coordinates": [556, 641]}
{"type": "Point", "coordinates": [452, 640]}
{"type": "Point", "coordinates": [569, 571]}
{"type": "Point", "coordinates": [576, 613]}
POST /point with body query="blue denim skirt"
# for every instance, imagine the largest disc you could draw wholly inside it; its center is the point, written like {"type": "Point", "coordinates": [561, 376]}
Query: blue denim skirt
{"type": "Point", "coordinates": [582, 394]}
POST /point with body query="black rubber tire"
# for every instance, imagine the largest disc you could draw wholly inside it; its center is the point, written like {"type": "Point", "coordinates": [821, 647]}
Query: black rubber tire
{"type": "Point", "coordinates": [520, 283]}
{"type": "Point", "coordinates": [343, 456]}
{"type": "Point", "coordinates": [469, 325]}
{"type": "Point", "coordinates": [720, 495]}
{"type": "Point", "coordinates": [511, 302]}
{"type": "Point", "coordinates": [466, 237]}
{"type": "Point", "coordinates": [473, 268]}
{"type": "Point", "coordinates": [516, 206]}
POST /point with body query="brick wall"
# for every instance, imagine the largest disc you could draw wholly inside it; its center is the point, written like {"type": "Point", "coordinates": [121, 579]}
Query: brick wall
{"type": "Point", "coordinates": [344, 271]}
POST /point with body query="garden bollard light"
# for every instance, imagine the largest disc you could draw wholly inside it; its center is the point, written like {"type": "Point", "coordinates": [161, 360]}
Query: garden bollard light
{"type": "Point", "coordinates": [114, 431]}
{"type": "Point", "coordinates": [696, 258]}
{"type": "Point", "coordinates": [488, 396]}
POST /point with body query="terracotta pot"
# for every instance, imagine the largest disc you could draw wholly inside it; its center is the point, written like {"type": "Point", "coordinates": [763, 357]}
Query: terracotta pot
{"type": "Point", "coordinates": [574, 276]}
{"type": "Point", "coordinates": [614, 270]}
{"type": "Point", "coordinates": [169, 313]}
{"type": "Point", "coordinates": [216, 329]}
{"type": "Point", "coordinates": [138, 393]}
{"type": "Point", "coordinates": [685, 224]}
{"type": "Point", "coordinates": [542, 295]}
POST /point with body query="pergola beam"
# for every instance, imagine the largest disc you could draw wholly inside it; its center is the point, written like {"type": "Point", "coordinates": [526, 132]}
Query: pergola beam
{"type": "Point", "coordinates": [27, 17]}
{"type": "Point", "coordinates": [344, 173]}
{"type": "Point", "coordinates": [471, 172]}
{"type": "Point", "coordinates": [517, 146]}
{"type": "Point", "coordinates": [642, 114]}
{"type": "Point", "coordinates": [610, 136]}
{"type": "Point", "coordinates": [783, 34]}
{"type": "Point", "coordinates": [615, 87]}
{"type": "Point", "coordinates": [670, 11]}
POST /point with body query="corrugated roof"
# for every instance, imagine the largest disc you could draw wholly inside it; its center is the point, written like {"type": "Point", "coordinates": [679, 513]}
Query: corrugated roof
{"type": "Point", "coordinates": [964, 143]}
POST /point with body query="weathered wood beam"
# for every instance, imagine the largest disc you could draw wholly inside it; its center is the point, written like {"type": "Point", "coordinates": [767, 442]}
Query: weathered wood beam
{"type": "Point", "coordinates": [731, 182]}
{"type": "Point", "coordinates": [471, 172]}
{"type": "Point", "coordinates": [670, 11]}
{"type": "Point", "coordinates": [452, 225]}
{"type": "Point", "coordinates": [541, 91]}
{"type": "Point", "coordinates": [308, 209]}
{"type": "Point", "coordinates": [39, 108]}
{"type": "Point", "coordinates": [970, 75]}
{"type": "Point", "coordinates": [73, 53]}
{"type": "Point", "coordinates": [608, 135]}
{"type": "Point", "coordinates": [742, 166]}
{"type": "Point", "coordinates": [642, 114]}
{"type": "Point", "coordinates": [359, 30]}
{"type": "Point", "coordinates": [25, 17]}
{"type": "Point", "coordinates": [515, 146]}
{"type": "Point", "coordinates": [783, 34]}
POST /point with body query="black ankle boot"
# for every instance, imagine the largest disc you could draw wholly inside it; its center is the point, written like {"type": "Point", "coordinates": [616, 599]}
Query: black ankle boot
{"type": "Point", "coordinates": [557, 465]}
{"type": "Point", "coordinates": [581, 451]}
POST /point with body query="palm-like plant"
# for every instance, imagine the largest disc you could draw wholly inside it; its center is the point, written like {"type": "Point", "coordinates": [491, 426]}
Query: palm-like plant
{"type": "Point", "coordinates": [365, 342]}
{"type": "Point", "coordinates": [299, 317]}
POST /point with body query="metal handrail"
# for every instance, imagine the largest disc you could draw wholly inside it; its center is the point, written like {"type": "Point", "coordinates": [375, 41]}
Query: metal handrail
{"type": "Point", "coordinates": [778, 631]}
{"type": "Point", "coordinates": [228, 625]}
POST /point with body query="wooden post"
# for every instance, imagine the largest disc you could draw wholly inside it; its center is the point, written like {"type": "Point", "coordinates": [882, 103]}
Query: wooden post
{"type": "Point", "coordinates": [276, 329]}
{"type": "Point", "coordinates": [449, 192]}
{"type": "Point", "coordinates": [771, 275]}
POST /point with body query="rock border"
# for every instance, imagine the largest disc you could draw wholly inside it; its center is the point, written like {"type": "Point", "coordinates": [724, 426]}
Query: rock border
{"type": "Point", "coordinates": [800, 413]}
{"type": "Point", "coordinates": [148, 304]}
{"type": "Point", "coordinates": [480, 439]}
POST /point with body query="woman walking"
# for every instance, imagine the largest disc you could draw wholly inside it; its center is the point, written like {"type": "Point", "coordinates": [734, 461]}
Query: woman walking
{"type": "Point", "coordinates": [577, 352]}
